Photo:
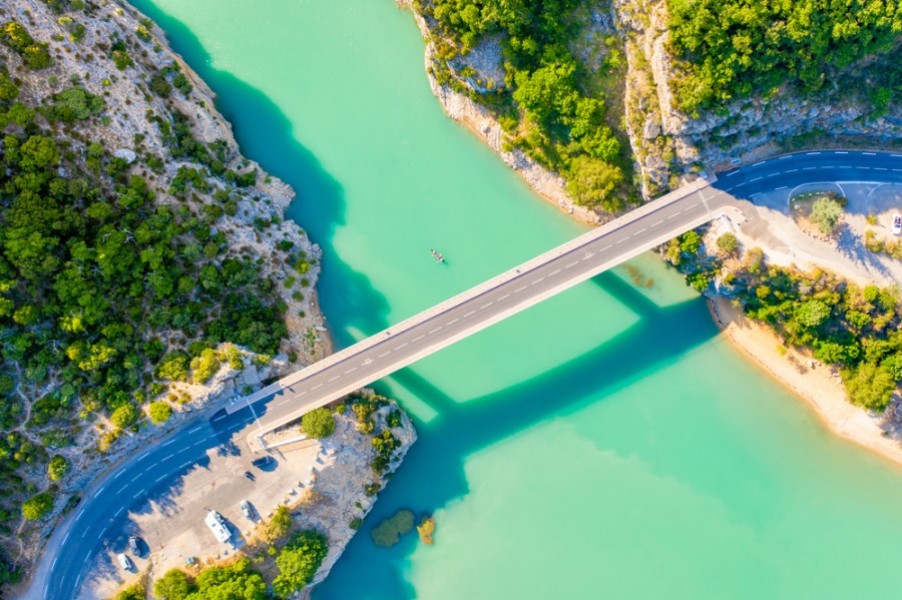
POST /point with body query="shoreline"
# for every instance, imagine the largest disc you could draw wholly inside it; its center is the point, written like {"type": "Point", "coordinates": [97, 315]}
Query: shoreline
{"type": "Point", "coordinates": [821, 391]}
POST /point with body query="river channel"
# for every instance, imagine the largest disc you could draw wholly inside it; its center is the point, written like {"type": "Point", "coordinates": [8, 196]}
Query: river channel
{"type": "Point", "coordinates": [603, 444]}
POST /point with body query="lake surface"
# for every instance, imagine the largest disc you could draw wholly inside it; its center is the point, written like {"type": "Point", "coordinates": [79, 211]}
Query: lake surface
{"type": "Point", "coordinates": [603, 444]}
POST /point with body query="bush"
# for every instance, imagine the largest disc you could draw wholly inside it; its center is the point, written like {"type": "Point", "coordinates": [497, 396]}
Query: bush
{"type": "Point", "coordinates": [58, 467]}
{"type": "Point", "coordinates": [134, 592]}
{"type": "Point", "coordinates": [298, 561]}
{"type": "Point", "coordinates": [389, 532]}
{"type": "Point", "coordinates": [593, 183]}
{"type": "Point", "coordinates": [205, 366]}
{"type": "Point", "coordinates": [173, 366]}
{"type": "Point", "coordinates": [869, 386]}
{"type": "Point", "coordinates": [318, 423]}
{"type": "Point", "coordinates": [37, 506]}
{"type": "Point", "coordinates": [159, 412]}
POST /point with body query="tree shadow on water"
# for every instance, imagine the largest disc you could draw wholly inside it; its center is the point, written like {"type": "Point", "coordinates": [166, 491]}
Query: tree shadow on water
{"type": "Point", "coordinates": [264, 134]}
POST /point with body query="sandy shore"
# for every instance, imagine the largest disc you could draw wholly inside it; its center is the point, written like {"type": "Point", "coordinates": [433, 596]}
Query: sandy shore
{"type": "Point", "coordinates": [805, 377]}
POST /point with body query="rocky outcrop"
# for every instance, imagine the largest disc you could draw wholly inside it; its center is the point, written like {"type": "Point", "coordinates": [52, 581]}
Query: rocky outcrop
{"type": "Point", "coordinates": [480, 121]}
{"type": "Point", "coordinates": [668, 143]}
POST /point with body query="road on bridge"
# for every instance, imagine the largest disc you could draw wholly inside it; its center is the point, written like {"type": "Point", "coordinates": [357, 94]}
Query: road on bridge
{"type": "Point", "coordinates": [98, 521]}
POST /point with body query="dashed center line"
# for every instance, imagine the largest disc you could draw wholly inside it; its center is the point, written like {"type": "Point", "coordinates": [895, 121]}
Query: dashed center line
{"type": "Point", "coordinates": [160, 478]}
{"type": "Point", "coordinates": [317, 386]}
{"type": "Point", "coordinates": [417, 339]}
{"type": "Point", "coordinates": [469, 313]}
{"type": "Point", "coordinates": [434, 330]}
{"type": "Point", "coordinates": [555, 272]}
{"type": "Point", "coordinates": [519, 289]}
{"type": "Point", "coordinates": [503, 297]}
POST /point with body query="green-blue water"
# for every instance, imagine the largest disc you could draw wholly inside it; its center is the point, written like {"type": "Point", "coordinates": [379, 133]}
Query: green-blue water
{"type": "Point", "coordinates": [602, 444]}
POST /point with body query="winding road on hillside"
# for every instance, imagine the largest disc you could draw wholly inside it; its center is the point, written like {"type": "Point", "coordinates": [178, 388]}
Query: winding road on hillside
{"type": "Point", "coordinates": [97, 523]}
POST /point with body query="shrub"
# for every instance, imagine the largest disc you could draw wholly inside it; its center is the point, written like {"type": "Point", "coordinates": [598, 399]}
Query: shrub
{"type": "Point", "coordinates": [173, 366]}
{"type": "Point", "coordinates": [205, 365]}
{"type": "Point", "coordinates": [318, 423]}
{"type": "Point", "coordinates": [134, 592]}
{"type": "Point", "coordinates": [174, 585]}
{"type": "Point", "coordinates": [159, 412]}
{"type": "Point", "coordinates": [278, 525]}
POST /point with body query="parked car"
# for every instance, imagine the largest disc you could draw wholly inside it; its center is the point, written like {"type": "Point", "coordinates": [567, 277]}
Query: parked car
{"type": "Point", "coordinates": [263, 462]}
{"type": "Point", "coordinates": [125, 561]}
{"type": "Point", "coordinates": [134, 544]}
{"type": "Point", "coordinates": [897, 224]}
{"type": "Point", "coordinates": [247, 509]}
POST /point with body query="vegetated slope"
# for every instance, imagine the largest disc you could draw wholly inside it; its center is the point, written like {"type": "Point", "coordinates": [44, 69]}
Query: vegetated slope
{"type": "Point", "coordinates": [728, 49]}
{"type": "Point", "coordinates": [713, 82]}
{"type": "Point", "coordinates": [519, 59]}
{"type": "Point", "coordinates": [137, 249]}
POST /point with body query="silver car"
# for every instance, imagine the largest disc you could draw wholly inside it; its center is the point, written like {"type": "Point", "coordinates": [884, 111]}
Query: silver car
{"type": "Point", "coordinates": [897, 224]}
{"type": "Point", "coordinates": [247, 509]}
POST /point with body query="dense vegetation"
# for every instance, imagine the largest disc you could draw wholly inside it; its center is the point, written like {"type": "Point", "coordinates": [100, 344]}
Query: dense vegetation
{"type": "Point", "coordinates": [544, 103]}
{"type": "Point", "coordinates": [733, 48]}
{"type": "Point", "coordinates": [857, 329]}
{"type": "Point", "coordinates": [109, 289]}
{"type": "Point", "coordinates": [318, 423]}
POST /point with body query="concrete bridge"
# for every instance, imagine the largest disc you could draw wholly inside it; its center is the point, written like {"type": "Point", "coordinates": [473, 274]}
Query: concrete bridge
{"type": "Point", "coordinates": [485, 304]}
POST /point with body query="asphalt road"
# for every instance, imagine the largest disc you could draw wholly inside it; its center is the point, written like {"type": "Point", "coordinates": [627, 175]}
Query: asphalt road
{"type": "Point", "coordinates": [97, 523]}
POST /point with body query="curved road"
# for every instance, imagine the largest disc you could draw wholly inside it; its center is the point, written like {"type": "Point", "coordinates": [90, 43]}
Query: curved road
{"type": "Point", "coordinates": [97, 523]}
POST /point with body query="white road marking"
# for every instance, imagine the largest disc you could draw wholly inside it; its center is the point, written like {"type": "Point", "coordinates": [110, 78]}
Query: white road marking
{"type": "Point", "coordinates": [869, 153]}
{"type": "Point", "coordinates": [160, 478]}
{"type": "Point", "coordinates": [417, 339]}
{"type": "Point", "coordinates": [138, 493]}
{"type": "Point", "coordinates": [760, 162]}
{"type": "Point", "coordinates": [775, 174]}
{"type": "Point", "coordinates": [605, 248]}
{"type": "Point", "coordinates": [812, 153]}
{"type": "Point", "coordinates": [486, 305]}
{"type": "Point", "coordinates": [136, 478]}
{"type": "Point", "coordinates": [673, 216]}
{"type": "Point", "coordinates": [792, 171]}
{"type": "Point", "coordinates": [784, 157]}
{"type": "Point", "coordinates": [122, 489]}
{"type": "Point", "coordinates": [809, 168]}
{"type": "Point", "coordinates": [319, 385]}
{"type": "Point", "coordinates": [143, 455]}
{"type": "Point", "coordinates": [621, 241]}
{"type": "Point", "coordinates": [172, 441]}
{"type": "Point", "coordinates": [454, 321]}
{"type": "Point", "coordinates": [401, 346]}
{"type": "Point", "coordinates": [469, 313]}
{"type": "Point", "coordinates": [352, 369]}
{"type": "Point", "coordinates": [190, 462]}
{"type": "Point", "coordinates": [333, 379]}
{"type": "Point", "coordinates": [841, 152]}
{"type": "Point", "coordinates": [384, 354]}
{"type": "Point", "coordinates": [828, 167]}
{"type": "Point", "coordinates": [571, 265]}
{"type": "Point", "coordinates": [434, 330]}
{"type": "Point", "coordinates": [554, 272]}
{"type": "Point", "coordinates": [538, 281]}
{"type": "Point", "coordinates": [755, 179]}
{"type": "Point", "coordinates": [519, 289]}
{"type": "Point", "coordinates": [66, 537]}
{"type": "Point", "coordinates": [119, 512]}
{"type": "Point", "coordinates": [116, 476]}
{"type": "Point", "coordinates": [896, 155]}
{"type": "Point", "coordinates": [53, 564]}
{"type": "Point", "coordinates": [168, 456]}
{"type": "Point", "coordinates": [736, 172]}
{"type": "Point", "coordinates": [782, 187]}
{"type": "Point", "coordinates": [880, 169]}
{"type": "Point", "coordinates": [503, 297]}
{"type": "Point", "coordinates": [195, 429]}
{"type": "Point", "coordinates": [658, 223]}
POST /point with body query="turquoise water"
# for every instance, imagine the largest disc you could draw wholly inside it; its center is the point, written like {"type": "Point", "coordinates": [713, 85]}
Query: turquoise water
{"type": "Point", "coordinates": [604, 443]}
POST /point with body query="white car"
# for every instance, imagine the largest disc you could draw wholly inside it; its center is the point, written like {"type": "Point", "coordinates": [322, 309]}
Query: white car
{"type": "Point", "coordinates": [125, 562]}
{"type": "Point", "coordinates": [897, 224]}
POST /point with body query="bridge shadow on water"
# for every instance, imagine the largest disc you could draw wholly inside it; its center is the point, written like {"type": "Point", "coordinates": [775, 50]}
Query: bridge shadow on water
{"type": "Point", "coordinates": [433, 474]}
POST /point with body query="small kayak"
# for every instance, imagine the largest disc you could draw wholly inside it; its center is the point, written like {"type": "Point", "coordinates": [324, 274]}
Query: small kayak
{"type": "Point", "coordinates": [437, 255]}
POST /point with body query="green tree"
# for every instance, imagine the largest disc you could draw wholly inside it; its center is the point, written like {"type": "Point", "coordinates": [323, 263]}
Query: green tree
{"type": "Point", "coordinates": [728, 244]}
{"type": "Point", "coordinates": [869, 386]}
{"type": "Point", "coordinates": [205, 366]}
{"type": "Point", "coordinates": [318, 423]}
{"type": "Point", "coordinates": [58, 467]}
{"type": "Point", "coordinates": [593, 183]}
{"type": "Point", "coordinates": [125, 416]}
{"type": "Point", "coordinates": [826, 213]}
{"type": "Point", "coordinates": [812, 314]}
{"type": "Point", "coordinates": [174, 585]}
{"type": "Point", "coordinates": [234, 582]}
{"type": "Point", "coordinates": [298, 561]}
{"type": "Point", "coordinates": [279, 524]}
{"type": "Point", "coordinates": [133, 592]}
{"type": "Point", "coordinates": [37, 506]}
{"type": "Point", "coordinates": [159, 412]}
